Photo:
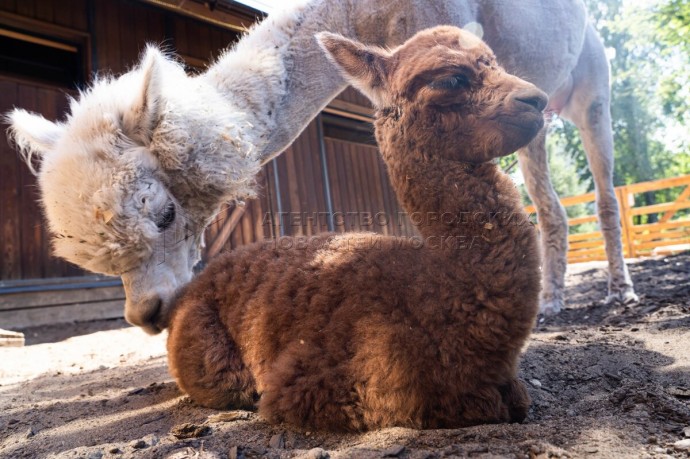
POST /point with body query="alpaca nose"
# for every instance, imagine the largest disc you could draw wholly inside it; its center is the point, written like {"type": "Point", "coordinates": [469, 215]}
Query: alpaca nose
{"type": "Point", "coordinates": [532, 97]}
{"type": "Point", "coordinates": [145, 313]}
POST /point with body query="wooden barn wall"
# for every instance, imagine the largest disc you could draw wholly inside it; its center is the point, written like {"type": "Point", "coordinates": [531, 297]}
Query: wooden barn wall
{"type": "Point", "coordinates": [292, 196]}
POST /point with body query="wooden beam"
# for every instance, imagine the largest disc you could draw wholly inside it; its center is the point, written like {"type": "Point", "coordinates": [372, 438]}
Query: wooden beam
{"type": "Point", "coordinates": [233, 20]}
{"type": "Point", "coordinates": [682, 197]}
{"type": "Point", "coordinates": [11, 339]}
{"type": "Point", "coordinates": [350, 110]}
{"type": "Point", "coordinates": [49, 315]}
{"type": "Point", "coordinates": [225, 232]}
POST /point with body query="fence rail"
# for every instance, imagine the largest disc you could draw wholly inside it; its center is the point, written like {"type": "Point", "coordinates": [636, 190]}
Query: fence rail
{"type": "Point", "coordinates": [668, 233]}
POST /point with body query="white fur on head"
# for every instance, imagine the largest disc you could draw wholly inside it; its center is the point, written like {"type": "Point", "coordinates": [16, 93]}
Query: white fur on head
{"type": "Point", "coordinates": [364, 67]}
{"type": "Point", "coordinates": [32, 134]}
{"type": "Point", "coordinates": [132, 176]}
{"type": "Point", "coordinates": [142, 118]}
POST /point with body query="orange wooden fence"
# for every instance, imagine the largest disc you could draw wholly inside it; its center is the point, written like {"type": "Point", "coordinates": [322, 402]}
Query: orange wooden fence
{"type": "Point", "coordinates": [669, 234]}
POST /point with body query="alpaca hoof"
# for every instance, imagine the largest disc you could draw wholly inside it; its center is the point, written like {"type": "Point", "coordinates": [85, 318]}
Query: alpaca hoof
{"type": "Point", "coordinates": [551, 307]}
{"type": "Point", "coordinates": [625, 296]}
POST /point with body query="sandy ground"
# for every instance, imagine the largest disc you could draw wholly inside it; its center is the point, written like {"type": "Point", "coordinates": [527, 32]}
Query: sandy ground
{"type": "Point", "coordinates": [607, 381]}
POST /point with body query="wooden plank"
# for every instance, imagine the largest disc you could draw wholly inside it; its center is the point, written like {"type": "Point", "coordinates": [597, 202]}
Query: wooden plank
{"type": "Point", "coordinates": [378, 188]}
{"type": "Point", "coordinates": [361, 187]}
{"type": "Point", "coordinates": [658, 184]}
{"type": "Point", "coordinates": [595, 251]}
{"type": "Point", "coordinates": [343, 162]}
{"type": "Point", "coordinates": [29, 217]}
{"type": "Point", "coordinates": [27, 8]}
{"type": "Point", "coordinates": [656, 208]}
{"type": "Point", "coordinates": [671, 249]}
{"type": "Point", "coordinates": [334, 182]}
{"type": "Point", "coordinates": [200, 12]}
{"type": "Point", "coordinates": [228, 227]}
{"type": "Point", "coordinates": [306, 180]}
{"type": "Point", "coordinates": [684, 195]}
{"type": "Point", "coordinates": [655, 244]}
{"type": "Point", "coordinates": [272, 195]}
{"type": "Point", "coordinates": [130, 21]}
{"type": "Point", "coordinates": [318, 171]}
{"type": "Point", "coordinates": [660, 226]}
{"type": "Point", "coordinates": [348, 107]}
{"type": "Point", "coordinates": [11, 339]}
{"type": "Point", "coordinates": [389, 200]}
{"type": "Point", "coordinates": [581, 220]}
{"type": "Point", "coordinates": [293, 221]}
{"type": "Point", "coordinates": [246, 224]}
{"type": "Point", "coordinates": [26, 300]}
{"type": "Point", "coordinates": [62, 314]}
{"type": "Point", "coordinates": [9, 231]}
{"type": "Point", "coordinates": [70, 14]}
{"type": "Point", "coordinates": [585, 236]}
{"type": "Point", "coordinates": [44, 11]}
{"type": "Point", "coordinates": [586, 259]}
{"type": "Point", "coordinates": [626, 220]}
{"type": "Point", "coordinates": [585, 245]}
{"type": "Point", "coordinates": [8, 5]}
{"type": "Point", "coordinates": [662, 235]}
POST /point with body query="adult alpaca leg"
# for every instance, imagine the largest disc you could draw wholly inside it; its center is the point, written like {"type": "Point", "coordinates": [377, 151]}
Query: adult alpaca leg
{"type": "Point", "coordinates": [589, 109]}
{"type": "Point", "coordinates": [553, 225]}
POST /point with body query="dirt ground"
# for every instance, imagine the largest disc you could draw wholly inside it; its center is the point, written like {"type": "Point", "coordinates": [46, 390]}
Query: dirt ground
{"type": "Point", "coordinates": [606, 381]}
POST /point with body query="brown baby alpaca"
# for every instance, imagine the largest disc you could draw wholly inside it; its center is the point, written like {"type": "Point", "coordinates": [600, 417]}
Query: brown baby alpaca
{"type": "Point", "coordinates": [361, 331]}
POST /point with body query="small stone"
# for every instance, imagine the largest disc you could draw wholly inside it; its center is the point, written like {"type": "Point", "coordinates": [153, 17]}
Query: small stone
{"type": "Point", "coordinates": [188, 430]}
{"type": "Point", "coordinates": [393, 451]}
{"type": "Point", "coordinates": [682, 445]}
{"type": "Point", "coordinates": [95, 455]}
{"type": "Point", "coordinates": [114, 450]}
{"type": "Point", "coordinates": [686, 432]}
{"type": "Point", "coordinates": [536, 383]}
{"type": "Point", "coordinates": [652, 440]}
{"type": "Point", "coordinates": [315, 453]}
{"type": "Point", "coordinates": [12, 421]}
{"type": "Point", "coordinates": [591, 449]}
{"type": "Point", "coordinates": [277, 441]}
{"type": "Point", "coordinates": [234, 453]}
{"type": "Point", "coordinates": [230, 416]}
{"type": "Point", "coordinates": [139, 444]}
{"type": "Point", "coordinates": [30, 432]}
{"type": "Point", "coordinates": [571, 413]}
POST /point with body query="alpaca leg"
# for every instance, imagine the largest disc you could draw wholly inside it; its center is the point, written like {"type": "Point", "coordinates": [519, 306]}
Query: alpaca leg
{"type": "Point", "coordinates": [484, 405]}
{"type": "Point", "coordinates": [553, 225]}
{"type": "Point", "coordinates": [205, 360]}
{"type": "Point", "coordinates": [303, 390]}
{"type": "Point", "coordinates": [589, 109]}
{"type": "Point", "coordinates": [517, 399]}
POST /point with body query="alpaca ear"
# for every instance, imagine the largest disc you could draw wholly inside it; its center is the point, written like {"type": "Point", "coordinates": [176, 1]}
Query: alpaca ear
{"type": "Point", "coordinates": [143, 116]}
{"type": "Point", "coordinates": [32, 134]}
{"type": "Point", "coordinates": [364, 67]}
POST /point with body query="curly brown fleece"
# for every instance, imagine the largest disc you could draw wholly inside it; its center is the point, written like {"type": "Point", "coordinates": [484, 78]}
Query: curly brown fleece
{"type": "Point", "coordinates": [360, 331]}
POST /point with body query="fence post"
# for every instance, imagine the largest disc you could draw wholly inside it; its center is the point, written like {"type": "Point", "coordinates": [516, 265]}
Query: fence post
{"type": "Point", "coordinates": [626, 220]}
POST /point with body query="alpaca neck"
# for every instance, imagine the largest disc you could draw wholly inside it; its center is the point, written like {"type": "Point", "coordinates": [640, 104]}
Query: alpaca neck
{"type": "Point", "coordinates": [472, 206]}
{"type": "Point", "coordinates": [278, 74]}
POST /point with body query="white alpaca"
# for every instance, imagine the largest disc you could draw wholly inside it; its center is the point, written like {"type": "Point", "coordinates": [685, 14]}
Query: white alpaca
{"type": "Point", "coordinates": [131, 178]}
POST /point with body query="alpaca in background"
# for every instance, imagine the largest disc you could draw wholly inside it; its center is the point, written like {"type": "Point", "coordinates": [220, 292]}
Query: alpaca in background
{"type": "Point", "coordinates": [361, 331]}
{"type": "Point", "coordinates": [143, 162]}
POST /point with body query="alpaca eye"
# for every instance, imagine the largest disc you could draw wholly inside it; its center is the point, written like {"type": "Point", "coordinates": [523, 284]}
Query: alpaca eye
{"type": "Point", "coordinates": [459, 81]}
{"type": "Point", "coordinates": [167, 218]}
